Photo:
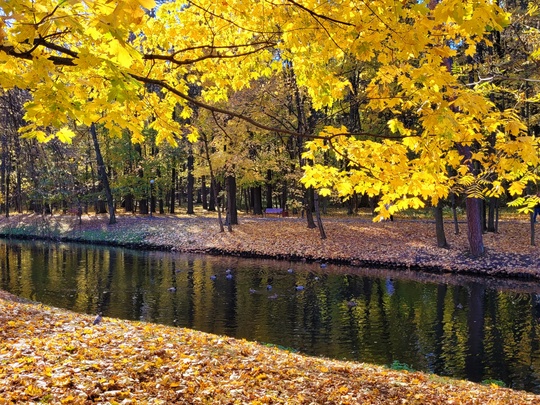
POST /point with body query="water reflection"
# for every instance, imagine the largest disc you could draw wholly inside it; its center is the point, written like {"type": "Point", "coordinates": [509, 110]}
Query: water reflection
{"type": "Point", "coordinates": [456, 326]}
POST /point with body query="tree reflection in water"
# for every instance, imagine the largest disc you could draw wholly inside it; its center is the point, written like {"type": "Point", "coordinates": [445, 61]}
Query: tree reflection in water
{"type": "Point", "coordinates": [458, 326]}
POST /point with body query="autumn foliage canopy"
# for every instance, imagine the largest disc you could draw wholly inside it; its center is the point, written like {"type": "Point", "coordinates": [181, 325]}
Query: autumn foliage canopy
{"type": "Point", "coordinates": [132, 64]}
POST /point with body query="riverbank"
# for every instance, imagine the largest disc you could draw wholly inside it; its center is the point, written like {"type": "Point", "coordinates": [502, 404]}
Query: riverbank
{"type": "Point", "coordinates": [402, 244]}
{"type": "Point", "coordinates": [49, 355]}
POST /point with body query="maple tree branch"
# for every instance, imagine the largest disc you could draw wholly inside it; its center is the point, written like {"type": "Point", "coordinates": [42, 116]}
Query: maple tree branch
{"type": "Point", "coordinates": [47, 16]}
{"type": "Point", "coordinates": [377, 16]}
{"type": "Point", "coordinates": [247, 119]}
{"type": "Point", "coordinates": [42, 41]}
{"type": "Point", "coordinates": [322, 16]}
{"type": "Point", "coordinates": [221, 17]}
{"type": "Point", "coordinates": [224, 47]}
{"type": "Point", "coordinates": [27, 55]}
{"type": "Point", "coordinates": [501, 77]}
{"type": "Point", "coordinates": [220, 126]}
{"type": "Point", "coordinates": [65, 61]}
{"type": "Point", "coordinates": [211, 55]}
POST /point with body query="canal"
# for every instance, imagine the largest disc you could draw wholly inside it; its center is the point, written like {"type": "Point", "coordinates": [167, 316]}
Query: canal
{"type": "Point", "coordinates": [468, 328]}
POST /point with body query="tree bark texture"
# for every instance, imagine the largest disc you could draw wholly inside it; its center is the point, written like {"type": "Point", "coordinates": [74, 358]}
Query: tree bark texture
{"type": "Point", "coordinates": [318, 215]}
{"type": "Point", "coordinates": [439, 226]}
{"type": "Point", "coordinates": [232, 210]}
{"type": "Point", "coordinates": [103, 175]}
{"type": "Point", "coordinates": [190, 182]}
{"type": "Point", "coordinates": [172, 197]}
{"type": "Point", "coordinates": [474, 226]}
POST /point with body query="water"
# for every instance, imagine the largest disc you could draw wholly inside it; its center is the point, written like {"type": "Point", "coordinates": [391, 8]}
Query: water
{"type": "Point", "coordinates": [476, 329]}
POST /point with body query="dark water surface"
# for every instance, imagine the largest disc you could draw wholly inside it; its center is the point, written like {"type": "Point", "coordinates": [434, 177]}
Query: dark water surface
{"type": "Point", "coordinates": [469, 328]}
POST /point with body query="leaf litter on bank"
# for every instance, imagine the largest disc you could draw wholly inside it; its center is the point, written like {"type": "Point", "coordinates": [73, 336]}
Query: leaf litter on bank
{"type": "Point", "coordinates": [405, 244]}
{"type": "Point", "coordinates": [49, 355]}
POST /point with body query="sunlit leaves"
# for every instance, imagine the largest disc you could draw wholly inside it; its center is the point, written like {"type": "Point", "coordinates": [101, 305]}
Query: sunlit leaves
{"type": "Point", "coordinates": [85, 62]}
{"type": "Point", "coordinates": [48, 354]}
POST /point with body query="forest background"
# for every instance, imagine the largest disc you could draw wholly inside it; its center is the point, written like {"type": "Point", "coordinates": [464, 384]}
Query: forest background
{"type": "Point", "coordinates": [252, 105]}
{"type": "Point", "coordinates": [138, 105]}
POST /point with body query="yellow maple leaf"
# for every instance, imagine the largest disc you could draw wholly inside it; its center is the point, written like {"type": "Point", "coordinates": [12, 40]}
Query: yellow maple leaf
{"type": "Point", "coordinates": [65, 135]}
{"type": "Point", "coordinates": [147, 3]}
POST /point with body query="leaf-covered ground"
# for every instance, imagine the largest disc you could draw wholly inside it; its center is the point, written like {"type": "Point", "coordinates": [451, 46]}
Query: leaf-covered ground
{"type": "Point", "coordinates": [54, 356]}
{"type": "Point", "coordinates": [404, 244]}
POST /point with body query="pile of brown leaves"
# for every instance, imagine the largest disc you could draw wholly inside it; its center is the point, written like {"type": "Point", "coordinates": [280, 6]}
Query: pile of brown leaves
{"type": "Point", "coordinates": [54, 356]}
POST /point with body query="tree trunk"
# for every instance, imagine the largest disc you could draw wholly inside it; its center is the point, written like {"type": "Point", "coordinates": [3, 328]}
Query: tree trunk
{"type": "Point", "coordinates": [213, 182]}
{"type": "Point", "coordinates": [216, 202]}
{"type": "Point", "coordinates": [284, 195]}
{"type": "Point", "coordinates": [103, 175]}
{"type": "Point", "coordinates": [257, 200]}
{"type": "Point", "coordinates": [318, 215]}
{"type": "Point", "coordinates": [232, 211]}
{"type": "Point", "coordinates": [350, 205]}
{"type": "Point", "coordinates": [143, 206]}
{"type": "Point", "coordinates": [497, 216]}
{"type": "Point", "coordinates": [152, 199]}
{"type": "Point", "coordinates": [473, 207]}
{"type": "Point", "coordinates": [533, 243]}
{"type": "Point", "coordinates": [128, 203]}
{"type": "Point", "coordinates": [161, 206]}
{"type": "Point", "coordinates": [247, 199]}
{"type": "Point", "coordinates": [309, 198]}
{"type": "Point", "coordinates": [204, 192]}
{"type": "Point", "coordinates": [8, 175]}
{"type": "Point", "coordinates": [18, 188]}
{"type": "Point", "coordinates": [190, 182]}
{"type": "Point", "coordinates": [439, 226]}
{"type": "Point", "coordinates": [454, 214]}
{"type": "Point", "coordinates": [3, 171]}
{"type": "Point", "coordinates": [492, 204]}
{"type": "Point", "coordinates": [474, 226]}
{"type": "Point", "coordinates": [213, 201]}
{"type": "Point", "coordinates": [269, 189]}
{"type": "Point", "coordinates": [172, 197]}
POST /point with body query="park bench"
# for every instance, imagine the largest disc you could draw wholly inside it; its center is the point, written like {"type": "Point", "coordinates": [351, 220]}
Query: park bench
{"type": "Point", "coordinates": [276, 211]}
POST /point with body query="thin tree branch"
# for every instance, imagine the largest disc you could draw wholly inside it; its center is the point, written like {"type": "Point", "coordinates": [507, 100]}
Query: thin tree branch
{"type": "Point", "coordinates": [321, 16]}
